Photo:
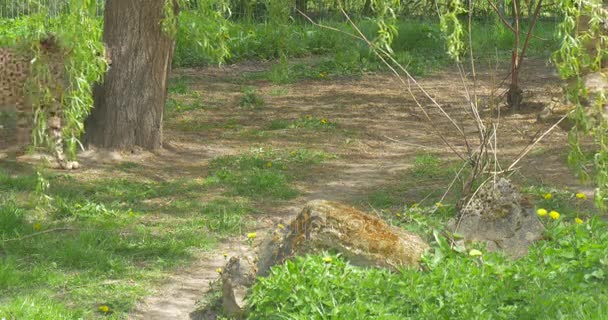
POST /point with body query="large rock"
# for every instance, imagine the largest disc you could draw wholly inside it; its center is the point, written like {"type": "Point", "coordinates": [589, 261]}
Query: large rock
{"type": "Point", "coordinates": [495, 217]}
{"type": "Point", "coordinates": [364, 240]}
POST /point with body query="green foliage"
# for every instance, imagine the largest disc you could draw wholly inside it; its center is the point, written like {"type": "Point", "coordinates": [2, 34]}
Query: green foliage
{"type": "Point", "coordinates": [79, 32]}
{"type": "Point", "coordinates": [563, 277]}
{"type": "Point", "coordinates": [583, 50]}
{"type": "Point", "coordinates": [251, 99]}
{"type": "Point", "coordinates": [453, 30]}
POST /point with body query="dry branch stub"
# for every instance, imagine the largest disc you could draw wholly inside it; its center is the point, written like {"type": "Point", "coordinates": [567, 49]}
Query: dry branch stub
{"type": "Point", "coordinates": [363, 239]}
{"type": "Point", "coordinates": [496, 217]}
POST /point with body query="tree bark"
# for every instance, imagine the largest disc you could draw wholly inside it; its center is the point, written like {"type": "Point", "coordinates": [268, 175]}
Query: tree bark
{"type": "Point", "coordinates": [128, 109]}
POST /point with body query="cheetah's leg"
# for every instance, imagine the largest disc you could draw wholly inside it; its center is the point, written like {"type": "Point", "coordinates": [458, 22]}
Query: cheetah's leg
{"type": "Point", "coordinates": [23, 129]}
{"type": "Point", "coordinates": [54, 126]}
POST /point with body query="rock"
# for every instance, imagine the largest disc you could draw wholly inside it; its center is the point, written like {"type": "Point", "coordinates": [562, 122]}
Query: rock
{"type": "Point", "coordinates": [495, 216]}
{"type": "Point", "coordinates": [237, 276]}
{"type": "Point", "coordinates": [363, 239]}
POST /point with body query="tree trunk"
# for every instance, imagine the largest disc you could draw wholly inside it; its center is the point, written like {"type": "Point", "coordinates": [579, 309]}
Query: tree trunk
{"type": "Point", "coordinates": [129, 104]}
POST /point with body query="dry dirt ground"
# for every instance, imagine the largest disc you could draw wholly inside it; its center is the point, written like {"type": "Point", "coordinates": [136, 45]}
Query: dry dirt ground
{"type": "Point", "coordinates": [380, 131]}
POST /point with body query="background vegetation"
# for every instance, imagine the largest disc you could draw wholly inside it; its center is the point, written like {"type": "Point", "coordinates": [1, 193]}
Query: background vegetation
{"type": "Point", "coordinates": [69, 247]}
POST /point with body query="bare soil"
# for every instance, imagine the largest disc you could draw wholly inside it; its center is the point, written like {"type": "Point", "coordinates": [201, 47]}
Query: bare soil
{"type": "Point", "coordinates": [380, 131]}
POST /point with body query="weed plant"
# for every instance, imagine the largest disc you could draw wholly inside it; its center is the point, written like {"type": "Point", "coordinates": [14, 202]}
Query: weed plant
{"type": "Point", "coordinates": [562, 277]}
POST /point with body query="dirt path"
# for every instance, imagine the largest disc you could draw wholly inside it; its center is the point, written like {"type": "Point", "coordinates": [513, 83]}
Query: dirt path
{"type": "Point", "coordinates": [380, 131]}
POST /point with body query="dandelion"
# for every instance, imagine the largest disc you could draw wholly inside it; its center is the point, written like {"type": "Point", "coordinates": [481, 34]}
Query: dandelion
{"type": "Point", "coordinates": [554, 215]}
{"type": "Point", "coordinates": [439, 205]}
{"type": "Point", "coordinates": [541, 212]}
{"type": "Point", "coordinates": [323, 121]}
{"type": "Point", "coordinates": [398, 214]}
{"type": "Point", "coordinates": [281, 226]}
{"type": "Point", "coordinates": [581, 196]}
{"type": "Point", "coordinates": [218, 270]}
{"type": "Point", "coordinates": [475, 253]}
{"type": "Point", "coordinates": [268, 164]}
{"type": "Point", "coordinates": [327, 259]}
{"type": "Point", "coordinates": [548, 196]}
{"type": "Point", "coordinates": [578, 220]}
{"type": "Point", "coordinates": [293, 153]}
{"type": "Point", "coordinates": [37, 226]}
{"type": "Point", "coordinates": [103, 308]}
{"type": "Point", "coordinates": [225, 254]}
{"type": "Point", "coordinates": [251, 235]}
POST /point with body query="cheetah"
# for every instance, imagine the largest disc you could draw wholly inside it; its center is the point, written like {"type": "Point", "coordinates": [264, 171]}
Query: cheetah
{"type": "Point", "coordinates": [19, 90]}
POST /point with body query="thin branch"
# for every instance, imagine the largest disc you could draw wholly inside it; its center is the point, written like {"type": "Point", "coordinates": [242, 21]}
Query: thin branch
{"type": "Point", "coordinates": [534, 18]}
{"type": "Point", "coordinates": [504, 21]}
{"type": "Point", "coordinates": [530, 146]}
{"type": "Point", "coordinates": [381, 54]}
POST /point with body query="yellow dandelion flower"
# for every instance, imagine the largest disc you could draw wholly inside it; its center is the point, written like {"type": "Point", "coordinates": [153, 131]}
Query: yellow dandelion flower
{"type": "Point", "coordinates": [281, 226]}
{"type": "Point", "coordinates": [37, 226]}
{"type": "Point", "coordinates": [251, 235]}
{"type": "Point", "coordinates": [439, 205]}
{"type": "Point", "coordinates": [293, 153]}
{"type": "Point", "coordinates": [323, 121]}
{"type": "Point", "coordinates": [398, 214]}
{"type": "Point", "coordinates": [218, 270]}
{"type": "Point", "coordinates": [268, 164]}
{"type": "Point", "coordinates": [225, 254]}
{"type": "Point", "coordinates": [548, 196]}
{"type": "Point", "coordinates": [475, 253]}
{"type": "Point", "coordinates": [581, 196]}
{"type": "Point", "coordinates": [103, 308]}
{"type": "Point", "coordinates": [327, 259]}
{"type": "Point", "coordinates": [554, 215]}
{"type": "Point", "coordinates": [541, 212]}
{"type": "Point", "coordinates": [578, 221]}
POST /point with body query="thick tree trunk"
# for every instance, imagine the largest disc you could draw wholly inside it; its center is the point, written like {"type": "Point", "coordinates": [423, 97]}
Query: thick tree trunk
{"type": "Point", "coordinates": [129, 105]}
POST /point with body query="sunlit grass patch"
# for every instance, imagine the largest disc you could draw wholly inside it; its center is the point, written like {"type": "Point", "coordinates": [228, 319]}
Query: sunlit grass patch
{"type": "Point", "coordinates": [263, 173]}
{"type": "Point", "coordinates": [305, 122]}
{"type": "Point", "coordinates": [101, 242]}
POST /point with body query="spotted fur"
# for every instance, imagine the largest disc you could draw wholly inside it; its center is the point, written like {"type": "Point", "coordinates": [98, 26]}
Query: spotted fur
{"type": "Point", "coordinates": [16, 83]}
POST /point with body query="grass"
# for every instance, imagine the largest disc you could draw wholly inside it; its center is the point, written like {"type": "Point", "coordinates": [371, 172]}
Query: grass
{"type": "Point", "coordinates": [419, 45]}
{"type": "Point", "coordinates": [251, 99]}
{"type": "Point", "coordinates": [101, 242]}
{"type": "Point", "coordinates": [305, 122]}
{"type": "Point", "coordinates": [563, 276]}
{"type": "Point", "coordinates": [419, 184]}
{"type": "Point", "coordinates": [263, 173]}
{"type": "Point", "coordinates": [70, 245]}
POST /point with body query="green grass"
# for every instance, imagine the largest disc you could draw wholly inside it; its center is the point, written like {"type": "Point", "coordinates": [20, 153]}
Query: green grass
{"type": "Point", "coordinates": [263, 173]}
{"type": "Point", "coordinates": [305, 122]}
{"type": "Point", "coordinates": [251, 99]}
{"type": "Point", "coordinates": [424, 181]}
{"type": "Point", "coordinates": [562, 277]}
{"type": "Point", "coordinates": [419, 45]}
{"type": "Point", "coordinates": [101, 242]}
{"type": "Point", "coordinates": [179, 85]}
